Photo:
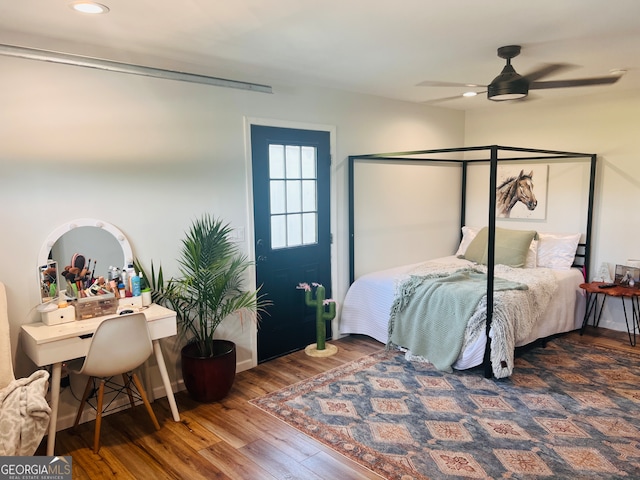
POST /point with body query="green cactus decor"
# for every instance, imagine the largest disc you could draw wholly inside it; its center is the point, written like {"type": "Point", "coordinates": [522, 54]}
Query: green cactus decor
{"type": "Point", "coordinates": [322, 313]}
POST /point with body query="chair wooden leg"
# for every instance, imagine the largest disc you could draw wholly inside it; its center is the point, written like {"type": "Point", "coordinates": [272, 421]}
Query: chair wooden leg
{"type": "Point", "coordinates": [96, 435]}
{"type": "Point", "coordinates": [85, 396]}
{"type": "Point", "coordinates": [145, 400]}
{"type": "Point", "coordinates": [125, 379]}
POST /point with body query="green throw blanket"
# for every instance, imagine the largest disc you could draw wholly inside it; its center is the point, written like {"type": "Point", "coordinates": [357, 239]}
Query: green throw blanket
{"type": "Point", "coordinates": [430, 313]}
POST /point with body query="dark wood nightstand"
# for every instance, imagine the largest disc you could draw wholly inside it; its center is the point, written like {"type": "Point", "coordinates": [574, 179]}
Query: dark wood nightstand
{"type": "Point", "coordinates": [594, 290]}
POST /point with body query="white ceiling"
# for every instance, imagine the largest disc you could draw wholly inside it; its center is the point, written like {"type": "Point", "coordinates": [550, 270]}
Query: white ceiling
{"type": "Point", "coordinates": [378, 47]}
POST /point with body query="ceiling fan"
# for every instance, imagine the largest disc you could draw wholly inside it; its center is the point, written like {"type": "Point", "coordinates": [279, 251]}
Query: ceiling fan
{"type": "Point", "coordinates": [510, 85]}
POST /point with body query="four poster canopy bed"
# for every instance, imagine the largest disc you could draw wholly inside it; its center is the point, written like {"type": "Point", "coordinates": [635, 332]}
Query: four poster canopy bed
{"type": "Point", "coordinates": [503, 287]}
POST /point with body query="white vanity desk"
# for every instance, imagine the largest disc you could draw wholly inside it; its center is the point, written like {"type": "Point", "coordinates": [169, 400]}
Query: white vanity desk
{"type": "Point", "coordinates": [55, 344]}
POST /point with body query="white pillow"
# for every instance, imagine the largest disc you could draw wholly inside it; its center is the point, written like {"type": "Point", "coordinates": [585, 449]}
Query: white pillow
{"type": "Point", "coordinates": [557, 250]}
{"type": "Point", "coordinates": [469, 233]}
{"type": "Point", "coordinates": [532, 255]}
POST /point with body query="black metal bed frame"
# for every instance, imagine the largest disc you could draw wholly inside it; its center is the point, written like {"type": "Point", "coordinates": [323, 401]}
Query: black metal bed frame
{"type": "Point", "coordinates": [491, 154]}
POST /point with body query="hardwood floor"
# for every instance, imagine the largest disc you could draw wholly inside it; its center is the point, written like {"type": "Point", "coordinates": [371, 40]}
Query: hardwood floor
{"type": "Point", "coordinates": [606, 338]}
{"type": "Point", "coordinates": [232, 439]}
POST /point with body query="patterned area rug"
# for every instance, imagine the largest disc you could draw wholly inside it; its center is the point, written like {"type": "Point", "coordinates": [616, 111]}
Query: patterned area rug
{"type": "Point", "coordinates": [568, 411]}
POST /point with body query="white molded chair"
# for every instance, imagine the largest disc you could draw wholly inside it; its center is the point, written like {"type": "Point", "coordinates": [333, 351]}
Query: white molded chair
{"type": "Point", "coordinates": [119, 345]}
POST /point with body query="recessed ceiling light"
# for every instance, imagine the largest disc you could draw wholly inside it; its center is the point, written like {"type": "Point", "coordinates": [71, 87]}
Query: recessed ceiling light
{"type": "Point", "coordinates": [89, 7]}
{"type": "Point", "coordinates": [469, 94]}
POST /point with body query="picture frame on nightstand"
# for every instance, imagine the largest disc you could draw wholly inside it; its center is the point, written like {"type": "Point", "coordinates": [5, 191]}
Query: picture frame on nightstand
{"type": "Point", "coordinates": [627, 276]}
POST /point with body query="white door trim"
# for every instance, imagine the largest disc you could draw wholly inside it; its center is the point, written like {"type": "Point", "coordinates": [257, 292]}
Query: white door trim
{"type": "Point", "coordinates": [270, 122]}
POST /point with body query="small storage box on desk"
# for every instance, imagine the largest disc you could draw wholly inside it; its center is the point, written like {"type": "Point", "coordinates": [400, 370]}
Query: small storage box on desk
{"type": "Point", "coordinates": [90, 307]}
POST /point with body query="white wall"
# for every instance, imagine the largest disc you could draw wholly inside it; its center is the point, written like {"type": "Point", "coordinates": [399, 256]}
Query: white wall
{"type": "Point", "coordinates": [404, 214]}
{"type": "Point", "coordinates": [150, 155]}
{"type": "Point", "coordinates": [604, 124]}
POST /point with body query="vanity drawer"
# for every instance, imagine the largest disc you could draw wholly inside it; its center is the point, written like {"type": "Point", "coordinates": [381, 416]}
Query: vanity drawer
{"type": "Point", "coordinates": [59, 315]}
{"type": "Point", "coordinates": [52, 352]}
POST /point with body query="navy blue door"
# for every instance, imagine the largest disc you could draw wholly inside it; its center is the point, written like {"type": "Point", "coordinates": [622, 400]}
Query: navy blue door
{"type": "Point", "coordinates": [291, 197]}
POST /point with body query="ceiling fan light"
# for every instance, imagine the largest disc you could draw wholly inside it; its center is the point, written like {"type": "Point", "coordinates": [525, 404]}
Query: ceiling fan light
{"type": "Point", "coordinates": [89, 7]}
{"type": "Point", "coordinates": [509, 85]}
{"type": "Point", "coordinates": [507, 88]}
{"type": "Point", "coordinates": [499, 97]}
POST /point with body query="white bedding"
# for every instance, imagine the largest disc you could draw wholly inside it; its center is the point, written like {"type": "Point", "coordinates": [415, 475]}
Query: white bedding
{"type": "Point", "coordinates": [367, 305]}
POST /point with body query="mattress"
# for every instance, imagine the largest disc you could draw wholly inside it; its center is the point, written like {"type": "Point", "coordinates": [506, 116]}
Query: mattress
{"type": "Point", "coordinates": [368, 302]}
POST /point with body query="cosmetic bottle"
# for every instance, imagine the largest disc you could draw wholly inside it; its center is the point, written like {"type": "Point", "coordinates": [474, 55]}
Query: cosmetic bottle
{"type": "Point", "coordinates": [124, 280]}
{"type": "Point", "coordinates": [146, 297]}
{"type": "Point", "coordinates": [131, 272]}
{"type": "Point", "coordinates": [114, 274]}
{"type": "Point", "coordinates": [135, 285]}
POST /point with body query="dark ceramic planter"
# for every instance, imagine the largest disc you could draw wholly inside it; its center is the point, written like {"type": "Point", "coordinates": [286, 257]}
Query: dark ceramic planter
{"type": "Point", "coordinates": [209, 379]}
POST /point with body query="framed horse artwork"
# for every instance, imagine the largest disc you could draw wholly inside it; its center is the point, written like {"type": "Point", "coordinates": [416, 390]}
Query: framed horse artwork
{"type": "Point", "coordinates": [521, 191]}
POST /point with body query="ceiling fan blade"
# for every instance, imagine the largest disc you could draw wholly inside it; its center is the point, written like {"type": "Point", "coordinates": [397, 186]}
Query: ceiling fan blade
{"type": "Point", "coordinates": [429, 83]}
{"type": "Point", "coordinates": [446, 99]}
{"type": "Point", "coordinates": [435, 101]}
{"type": "Point", "coordinates": [546, 70]}
{"type": "Point", "coordinates": [577, 82]}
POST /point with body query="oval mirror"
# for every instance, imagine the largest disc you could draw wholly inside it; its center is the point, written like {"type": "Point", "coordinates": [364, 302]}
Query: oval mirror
{"type": "Point", "coordinates": [101, 244]}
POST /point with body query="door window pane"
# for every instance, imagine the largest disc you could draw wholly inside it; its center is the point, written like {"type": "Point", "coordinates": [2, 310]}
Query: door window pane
{"type": "Point", "coordinates": [309, 195]}
{"type": "Point", "coordinates": [293, 161]}
{"type": "Point", "coordinates": [308, 162]}
{"type": "Point", "coordinates": [294, 229]}
{"type": "Point", "coordinates": [277, 195]}
{"type": "Point", "coordinates": [293, 195]}
{"type": "Point", "coordinates": [309, 228]}
{"type": "Point", "coordinates": [278, 231]}
{"type": "Point", "coordinates": [276, 161]}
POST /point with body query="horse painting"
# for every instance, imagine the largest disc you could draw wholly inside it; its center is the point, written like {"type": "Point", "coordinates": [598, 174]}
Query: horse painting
{"type": "Point", "coordinates": [513, 190]}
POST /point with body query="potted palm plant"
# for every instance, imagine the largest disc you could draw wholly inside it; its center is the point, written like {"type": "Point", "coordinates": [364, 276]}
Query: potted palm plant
{"type": "Point", "coordinates": [209, 288]}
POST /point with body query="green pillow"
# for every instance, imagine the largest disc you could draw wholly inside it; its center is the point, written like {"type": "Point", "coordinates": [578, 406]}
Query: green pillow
{"type": "Point", "coordinates": [511, 247]}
